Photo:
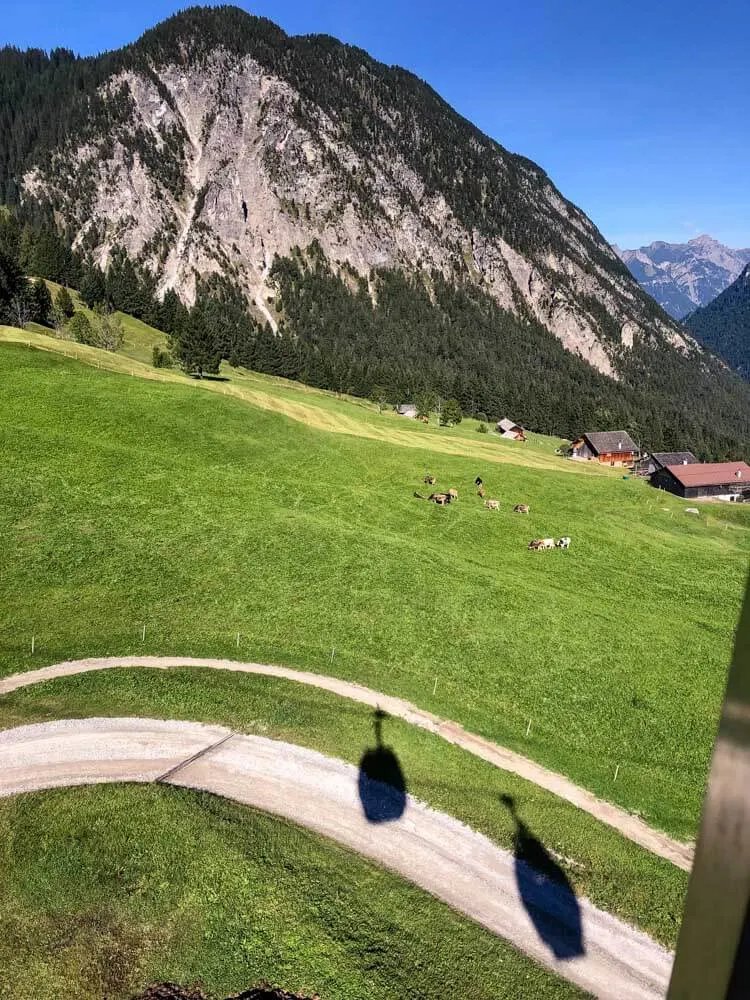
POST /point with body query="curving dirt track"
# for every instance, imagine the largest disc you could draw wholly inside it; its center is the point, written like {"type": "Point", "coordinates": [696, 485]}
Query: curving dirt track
{"type": "Point", "coordinates": [433, 850]}
{"type": "Point", "coordinates": [625, 823]}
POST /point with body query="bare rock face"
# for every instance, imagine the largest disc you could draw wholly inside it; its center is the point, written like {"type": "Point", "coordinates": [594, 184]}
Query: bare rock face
{"type": "Point", "coordinates": [219, 165]}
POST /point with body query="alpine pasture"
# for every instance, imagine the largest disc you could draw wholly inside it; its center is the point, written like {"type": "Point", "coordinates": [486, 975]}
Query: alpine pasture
{"type": "Point", "coordinates": [151, 517]}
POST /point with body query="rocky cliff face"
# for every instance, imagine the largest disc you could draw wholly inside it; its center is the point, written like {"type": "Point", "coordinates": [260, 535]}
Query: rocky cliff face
{"type": "Point", "coordinates": [683, 276]}
{"type": "Point", "coordinates": [222, 151]}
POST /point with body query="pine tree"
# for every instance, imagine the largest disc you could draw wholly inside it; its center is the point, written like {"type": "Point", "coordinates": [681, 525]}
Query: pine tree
{"type": "Point", "coordinates": [64, 303]}
{"type": "Point", "coordinates": [11, 284]}
{"type": "Point", "coordinates": [93, 289]}
{"type": "Point", "coordinates": [80, 329]}
{"type": "Point", "coordinates": [450, 413]}
{"type": "Point", "coordinates": [379, 397]}
{"type": "Point", "coordinates": [195, 346]}
{"type": "Point", "coordinates": [41, 303]}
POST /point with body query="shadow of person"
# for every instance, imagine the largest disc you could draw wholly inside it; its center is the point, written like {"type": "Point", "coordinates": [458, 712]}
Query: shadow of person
{"type": "Point", "coordinates": [546, 892]}
{"type": "Point", "coordinates": [382, 788]}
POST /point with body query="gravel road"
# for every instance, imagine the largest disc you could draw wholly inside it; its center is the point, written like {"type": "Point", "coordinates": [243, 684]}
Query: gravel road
{"type": "Point", "coordinates": [432, 850]}
{"type": "Point", "coordinates": [629, 826]}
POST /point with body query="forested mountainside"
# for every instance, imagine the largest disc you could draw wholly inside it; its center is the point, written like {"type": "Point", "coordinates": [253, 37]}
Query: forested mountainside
{"type": "Point", "coordinates": [724, 324]}
{"type": "Point", "coordinates": [350, 216]}
{"type": "Point", "coordinates": [681, 276]}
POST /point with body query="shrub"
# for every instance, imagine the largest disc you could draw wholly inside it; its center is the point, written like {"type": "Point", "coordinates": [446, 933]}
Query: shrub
{"type": "Point", "coordinates": [161, 358]}
{"type": "Point", "coordinates": [451, 413]}
{"type": "Point", "coordinates": [482, 417]}
{"type": "Point", "coordinates": [108, 332]}
{"type": "Point", "coordinates": [80, 329]}
{"type": "Point", "coordinates": [483, 429]}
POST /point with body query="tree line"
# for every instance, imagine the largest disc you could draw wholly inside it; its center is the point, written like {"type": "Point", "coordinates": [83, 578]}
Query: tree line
{"type": "Point", "coordinates": [402, 335]}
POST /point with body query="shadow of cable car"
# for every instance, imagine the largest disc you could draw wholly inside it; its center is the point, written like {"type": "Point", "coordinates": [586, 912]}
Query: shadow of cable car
{"type": "Point", "coordinates": [382, 787]}
{"type": "Point", "coordinates": [546, 892]}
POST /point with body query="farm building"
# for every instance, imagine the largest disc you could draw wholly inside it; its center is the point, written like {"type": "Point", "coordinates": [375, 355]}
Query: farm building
{"type": "Point", "coordinates": [607, 447]}
{"type": "Point", "coordinates": [407, 410]}
{"type": "Point", "coordinates": [650, 464]}
{"type": "Point", "coordinates": [720, 480]}
{"type": "Point", "coordinates": [508, 429]}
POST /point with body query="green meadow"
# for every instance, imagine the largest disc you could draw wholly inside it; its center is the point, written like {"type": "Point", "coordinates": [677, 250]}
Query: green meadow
{"type": "Point", "coordinates": [232, 529]}
{"type": "Point", "coordinates": [139, 884]}
{"type": "Point", "coordinates": [251, 518]}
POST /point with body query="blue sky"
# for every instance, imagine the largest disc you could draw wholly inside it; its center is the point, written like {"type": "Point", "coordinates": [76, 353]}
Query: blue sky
{"type": "Point", "coordinates": [638, 110]}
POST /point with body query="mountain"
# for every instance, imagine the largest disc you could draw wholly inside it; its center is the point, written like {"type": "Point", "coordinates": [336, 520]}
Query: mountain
{"type": "Point", "coordinates": [336, 221]}
{"type": "Point", "coordinates": [681, 276]}
{"type": "Point", "coordinates": [724, 324]}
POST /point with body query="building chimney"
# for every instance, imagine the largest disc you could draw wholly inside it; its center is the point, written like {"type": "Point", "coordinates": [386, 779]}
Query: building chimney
{"type": "Point", "coordinates": [684, 461]}
{"type": "Point", "coordinates": [738, 473]}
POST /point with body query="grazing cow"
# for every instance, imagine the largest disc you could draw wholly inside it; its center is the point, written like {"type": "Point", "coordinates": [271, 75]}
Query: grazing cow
{"type": "Point", "coordinates": [535, 543]}
{"type": "Point", "coordinates": [547, 543]}
{"type": "Point", "coordinates": [440, 498]}
{"type": "Point", "coordinates": [521, 508]}
{"type": "Point", "coordinates": [492, 504]}
{"type": "Point", "coordinates": [478, 482]}
{"type": "Point", "coordinates": [563, 543]}
{"type": "Point", "coordinates": [480, 492]}
{"type": "Point", "coordinates": [453, 494]}
{"type": "Point", "coordinates": [430, 480]}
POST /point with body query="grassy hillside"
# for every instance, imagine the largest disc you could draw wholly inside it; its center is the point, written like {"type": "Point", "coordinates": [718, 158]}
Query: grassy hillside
{"type": "Point", "coordinates": [193, 888]}
{"type": "Point", "coordinates": [139, 503]}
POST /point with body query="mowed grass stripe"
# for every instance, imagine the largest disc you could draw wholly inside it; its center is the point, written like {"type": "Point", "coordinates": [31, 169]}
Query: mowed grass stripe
{"type": "Point", "coordinates": [315, 408]}
{"type": "Point", "coordinates": [135, 502]}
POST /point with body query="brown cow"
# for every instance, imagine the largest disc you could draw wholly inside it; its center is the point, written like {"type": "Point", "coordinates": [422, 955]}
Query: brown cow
{"type": "Point", "coordinates": [430, 480]}
{"type": "Point", "coordinates": [521, 508]}
{"type": "Point", "coordinates": [480, 492]}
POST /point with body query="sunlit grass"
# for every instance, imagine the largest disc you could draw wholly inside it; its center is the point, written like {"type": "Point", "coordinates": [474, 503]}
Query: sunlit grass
{"type": "Point", "coordinates": [106, 889]}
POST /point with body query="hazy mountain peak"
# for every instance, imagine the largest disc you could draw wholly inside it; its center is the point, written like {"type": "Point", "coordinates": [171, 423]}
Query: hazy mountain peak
{"type": "Point", "coordinates": [683, 276]}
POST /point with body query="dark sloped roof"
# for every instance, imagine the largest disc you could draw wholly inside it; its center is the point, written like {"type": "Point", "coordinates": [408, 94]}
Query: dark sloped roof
{"type": "Point", "coordinates": [711, 473]}
{"type": "Point", "coordinates": [674, 457]}
{"type": "Point", "coordinates": [610, 441]}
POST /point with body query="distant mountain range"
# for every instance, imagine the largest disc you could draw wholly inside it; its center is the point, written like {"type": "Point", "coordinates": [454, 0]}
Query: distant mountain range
{"type": "Point", "coordinates": [724, 324]}
{"type": "Point", "coordinates": [684, 276]}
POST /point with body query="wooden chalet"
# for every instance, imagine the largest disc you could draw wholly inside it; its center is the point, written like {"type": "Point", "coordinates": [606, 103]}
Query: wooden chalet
{"type": "Point", "coordinates": [650, 464]}
{"type": "Point", "coordinates": [508, 429]}
{"type": "Point", "coordinates": [615, 448]}
{"type": "Point", "coordinates": [703, 480]}
{"type": "Point", "coordinates": [407, 410]}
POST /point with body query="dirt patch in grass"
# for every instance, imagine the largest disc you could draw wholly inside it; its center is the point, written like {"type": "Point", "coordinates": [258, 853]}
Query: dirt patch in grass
{"type": "Point", "coordinates": [170, 991]}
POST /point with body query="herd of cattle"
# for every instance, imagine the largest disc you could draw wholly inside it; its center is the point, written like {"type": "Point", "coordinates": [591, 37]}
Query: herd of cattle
{"type": "Point", "coordinates": [536, 544]}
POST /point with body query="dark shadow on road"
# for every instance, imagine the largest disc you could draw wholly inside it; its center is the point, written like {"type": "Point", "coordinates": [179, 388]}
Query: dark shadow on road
{"type": "Point", "coordinates": [546, 892]}
{"type": "Point", "coordinates": [382, 788]}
